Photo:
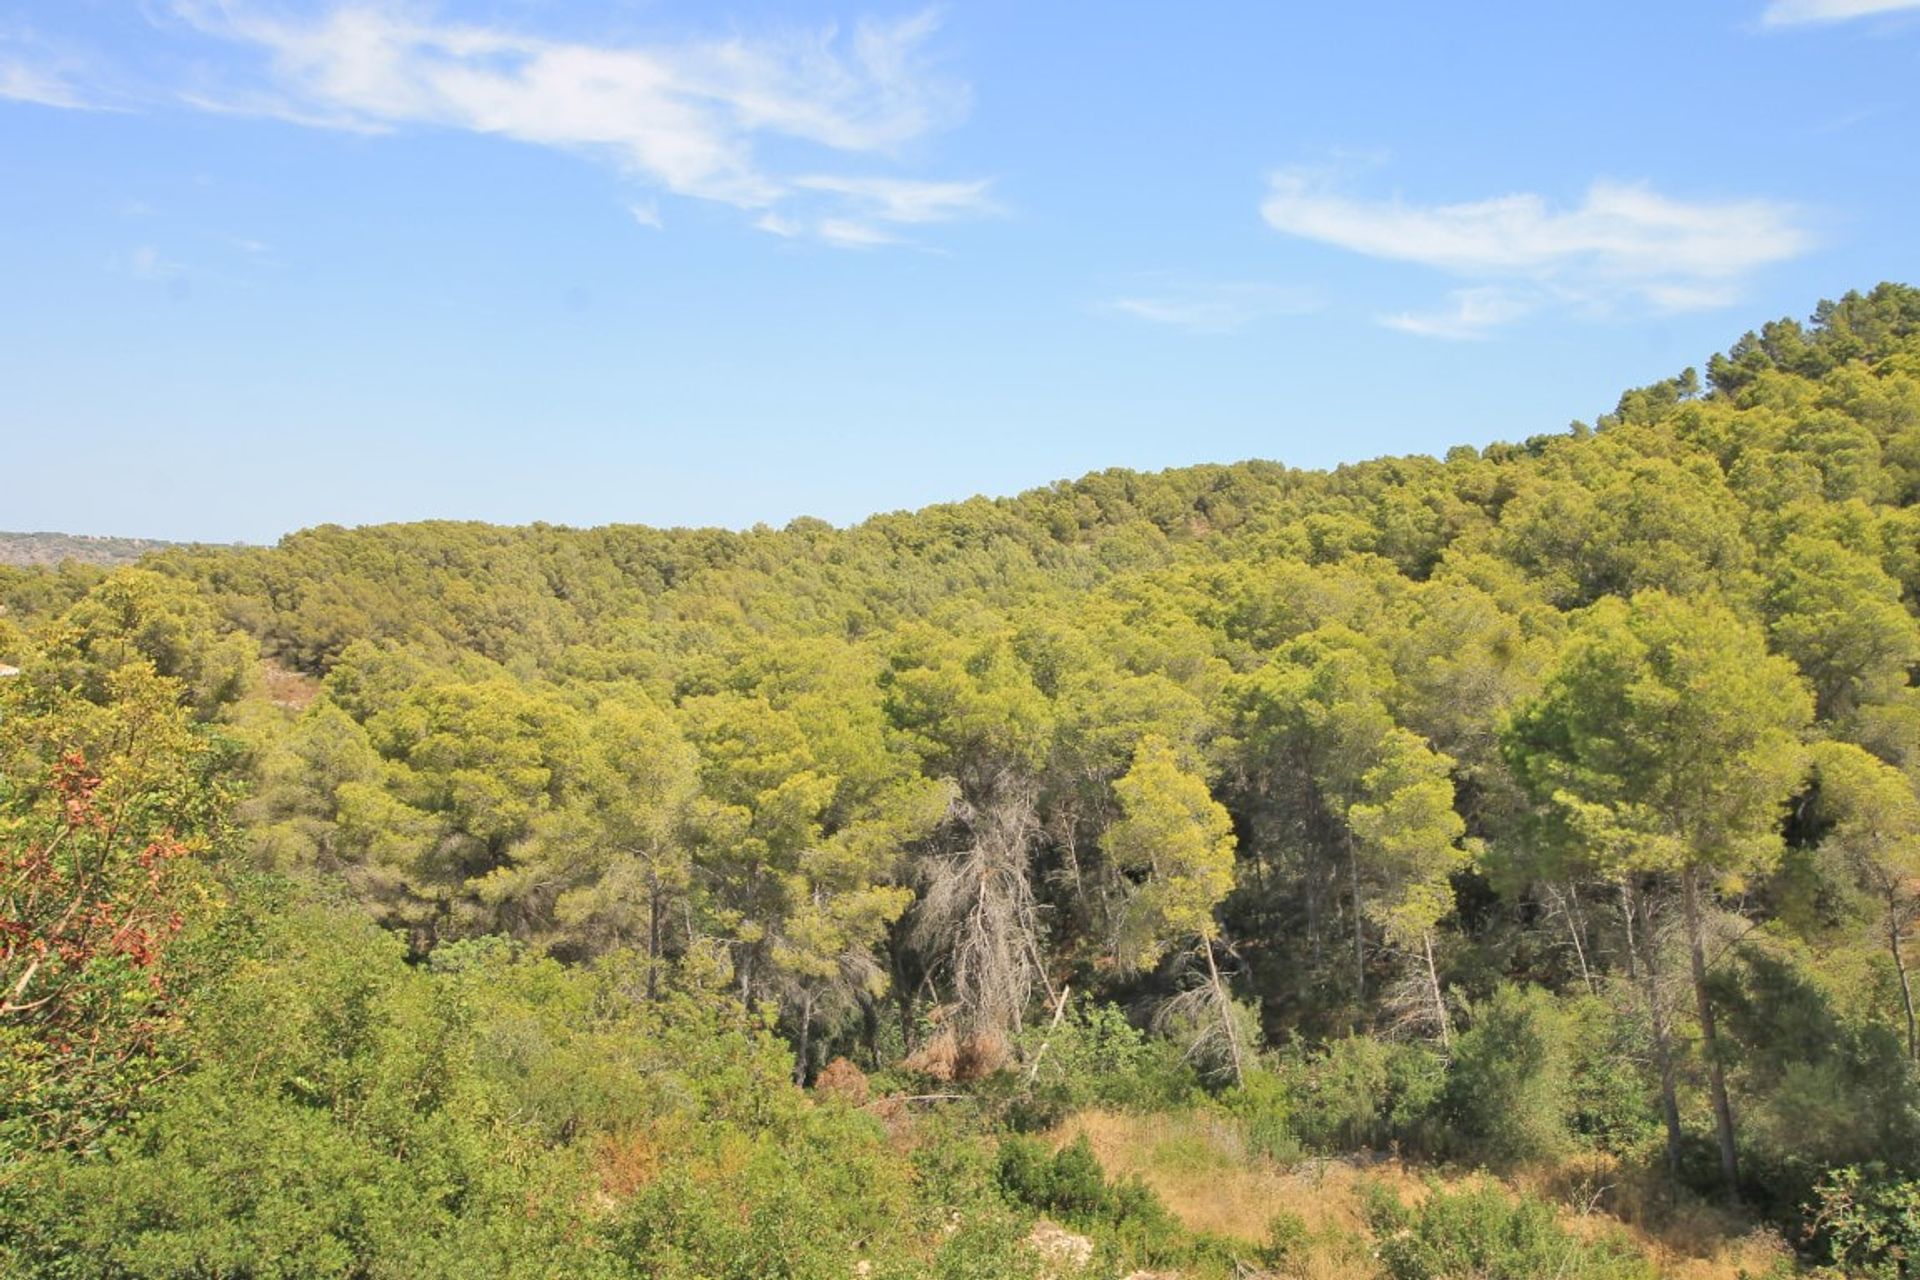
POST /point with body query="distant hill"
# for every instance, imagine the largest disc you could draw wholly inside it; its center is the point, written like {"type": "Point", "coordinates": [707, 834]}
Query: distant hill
{"type": "Point", "coordinates": [53, 548]}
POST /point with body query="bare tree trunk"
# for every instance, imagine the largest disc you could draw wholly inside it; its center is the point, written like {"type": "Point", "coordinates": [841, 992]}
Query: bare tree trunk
{"type": "Point", "coordinates": [1626, 918]}
{"type": "Point", "coordinates": [1059, 1008]}
{"type": "Point", "coordinates": [653, 936]}
{"type": "Point", "coordinates": [806, 1027]}
{"type": "Point", "coordinates": [1576, 929]}
{"type": "Point", "coordinates": [1709, 1040]}
{"type": "Point", "coordinates": [1439, 1001]}
{"type": "Point", "coordinates": [1359, 922]}
{"type": "Point", "coordinates": [1225, 1008]}
{"type": "Point", "coordinates": [1649, 971]}
{"type": "Point", "coordinates": [1900, 967]}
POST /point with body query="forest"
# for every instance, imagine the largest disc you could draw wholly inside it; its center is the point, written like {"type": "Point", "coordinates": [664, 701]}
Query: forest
{"type": "Point", "coordinates": [1497, 865]}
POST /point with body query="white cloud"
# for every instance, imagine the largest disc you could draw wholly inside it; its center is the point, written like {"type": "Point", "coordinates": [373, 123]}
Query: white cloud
{"type": "Point", "coordinates": [689, 118]}
{"type": "Point", "coordinates": [1470, 313]}
{"type": "Point", "coordinates": [1621, 243]}
{"type": "Point", "coordinates": [1789, 13]}
{"type": "Point", "coordinates": [46, 81]}
{"type": "Point", "coordinates": [1210, 307]}
{"type": "Point", "coordinates": [647, 214]}
{"type": "Point", "coordinates": [850, 234]}
{"type": "Point", "coordinates": [906, 199]}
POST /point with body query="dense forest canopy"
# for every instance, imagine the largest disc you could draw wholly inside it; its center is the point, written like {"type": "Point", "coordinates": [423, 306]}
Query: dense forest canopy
{"type": "Point", "coordinates": [453, 899]}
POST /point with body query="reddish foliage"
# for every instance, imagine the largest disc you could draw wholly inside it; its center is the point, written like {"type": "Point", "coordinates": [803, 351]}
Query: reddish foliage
{"type": "Point", "coordinates": [79, 897]}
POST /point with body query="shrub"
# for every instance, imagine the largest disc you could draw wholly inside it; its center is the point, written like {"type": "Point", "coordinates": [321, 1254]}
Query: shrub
{"type": "Point", "coordinates": [1362, 1093]}
{"type": "Point", "coordinates": [1094, 1057]}
{"type": "Point", "coordinates": [1609, 1103]}
{"type": "Point", "coordinates": [1869, 1222]}
{"type": "Point", "coordinates": [1506, 1091]}
{"type": "Point", "coordinates": [1484, 1234]}
{"type": "Point", "coordinates": [1263, 1103]}
{"type": "Point", "coordinates": [1070, 1184]}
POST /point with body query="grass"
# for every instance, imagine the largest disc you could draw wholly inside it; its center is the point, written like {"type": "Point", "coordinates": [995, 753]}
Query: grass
{"type": "Point", "coordinates": [1198, 1164]}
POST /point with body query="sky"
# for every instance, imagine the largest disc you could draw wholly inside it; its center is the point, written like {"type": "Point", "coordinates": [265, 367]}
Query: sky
{"type": "Point", "coordinates": [266, 264]}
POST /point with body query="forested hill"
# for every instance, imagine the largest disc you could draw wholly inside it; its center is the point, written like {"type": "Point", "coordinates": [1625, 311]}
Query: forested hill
{"type": "Point", "coordinates": [1796, 413]}
{"type": "Point", "coordinates": [1546, 806]}
{"type": "Point", "coordinates": [54, 548]}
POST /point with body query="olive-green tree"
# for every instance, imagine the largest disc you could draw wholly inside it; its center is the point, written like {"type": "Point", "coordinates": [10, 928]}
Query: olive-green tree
{"type": "Point", "coordinates": [1665, 745]}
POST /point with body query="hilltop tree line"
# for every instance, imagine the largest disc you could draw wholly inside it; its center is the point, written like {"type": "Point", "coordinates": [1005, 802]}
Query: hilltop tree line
{"type": "Point", "coordinates": [1548, 795]}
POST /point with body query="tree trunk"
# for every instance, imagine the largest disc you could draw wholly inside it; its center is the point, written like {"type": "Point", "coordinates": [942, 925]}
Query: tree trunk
{"type": "Point", "coordinates": [1359, 935]}
{"type": "Point", "coordinates": [1059, 1011]}
{"type": "Point", "coordinates": [1710, 1042]}
{"type": "Point", "coordinates": [653, 936]}
{"type": "Point", "coordinates": [1439, 1001]}
{"type": "Point", "coordinates": [1648, 965]}
{"type": "Point", "coordinates": [1576, 928]}
{"type": "Point", "coordinates": [1225, 1008]}
{"type": "Point", "coordinates": [800, 1052]}
{"type": "Point", "coordinates": [1900, 967]}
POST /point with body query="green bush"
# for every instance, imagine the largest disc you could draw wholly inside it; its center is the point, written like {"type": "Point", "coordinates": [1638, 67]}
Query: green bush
{"type": "Point", "coordinates": [1507, 1087]}
{"type": "Point", "coordinates": [1484, 1234]}
{"type": "Point", "coordinates": [1263, 1103]}
{"type": "Point", "coordinates": [1869, 1222]}
{"type": "Point", "coordinates": [1610, 1101]}
{"type": "Point", "coordinates": [1366, 1094]}
{"type": "Point", "coordinates": [1069, 1183]}
{"type": "Point", "coordinates": [1094, 1057]}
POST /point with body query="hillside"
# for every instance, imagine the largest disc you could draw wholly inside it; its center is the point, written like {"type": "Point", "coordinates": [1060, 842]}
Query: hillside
{"type": "Point", "coordinates": [56, 548]}
{"type": "Point", "coordinates": [807, 902]}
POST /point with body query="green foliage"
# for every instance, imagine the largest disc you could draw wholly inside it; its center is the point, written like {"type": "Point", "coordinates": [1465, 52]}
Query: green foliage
{"type": "Point", "coordinates": [596, 840]}
{"type": "Point", "coordinates": [1264, 1104]}
{"type": "Point", "coordinates": [1869, 1223]}
{"type": "Point", "coordinates": [1070, 1185]}
{"type": "Point", "coordinates": [1483, 1233]}
{"type": "Point", "coordinates": [1179, 841]}
{"type": "Point", "coordinates": [1826, 1086]}
{"type": "Point", "coordinates": [1366, 1094]}
{"type": "Point", "coordinates": [1506, 1093]}
{"type": "Point", "coordinates": [1666, 738]}
{"type": "Point", "coordinates": [110, 808]}
{"type": "Point", "coordinates": [1096, 1058]}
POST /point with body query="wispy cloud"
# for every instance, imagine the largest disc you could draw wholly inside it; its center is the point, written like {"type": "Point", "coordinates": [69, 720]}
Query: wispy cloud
{"type": "Point", "coordinates": [906, 199]}
{"type": "Point", "coordinates": [1792, 13]}
{"type": "Point", "coordinates": [21, 82]}
{"type": "Point", "coordinates": [850, 233]}
{"type": "Point", "coordinates": [1621, 243]}
{"type": "Point", "coordinates": [701, 118]}
{"type": "Point", "coordinates": [1209, 307]}
{"type": "Point", "coordinates": [46, 74]}
{"type": "Point", "coordinates": [1469, 314]}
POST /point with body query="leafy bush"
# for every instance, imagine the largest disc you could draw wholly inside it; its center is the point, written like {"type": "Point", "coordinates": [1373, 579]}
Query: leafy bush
{"type": "Point", "coordinates": [1362, 1094]}
{"type": "Point", "coordinates": [1094, 1057]}
{"type": "Point", "coordinates": [1506, 1091]}
{"type": "Point", "coordinates": [1263, 1103]}
{"type": "Point", "coordinates": [1070, 1184]}
{"type": "Point", "coordinates": [1484, 1234]}
{"type": "Point", "coordinates": [1609, 1101]}
{"type": "Point", "coordinates": [1869, 1222]}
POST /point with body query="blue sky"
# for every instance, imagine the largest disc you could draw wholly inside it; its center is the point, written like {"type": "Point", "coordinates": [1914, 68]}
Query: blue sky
{"type": "Point", "coordinates": [265, 264]}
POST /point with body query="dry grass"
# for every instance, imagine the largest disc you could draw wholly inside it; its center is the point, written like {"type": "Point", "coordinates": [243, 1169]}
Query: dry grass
{"type": "Point", "coordinates": [1694, 1240]}
{"type": "Point", "coordinates": [1197, 1164]}
{"type": "Point", "coordinates": [287, 689]}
